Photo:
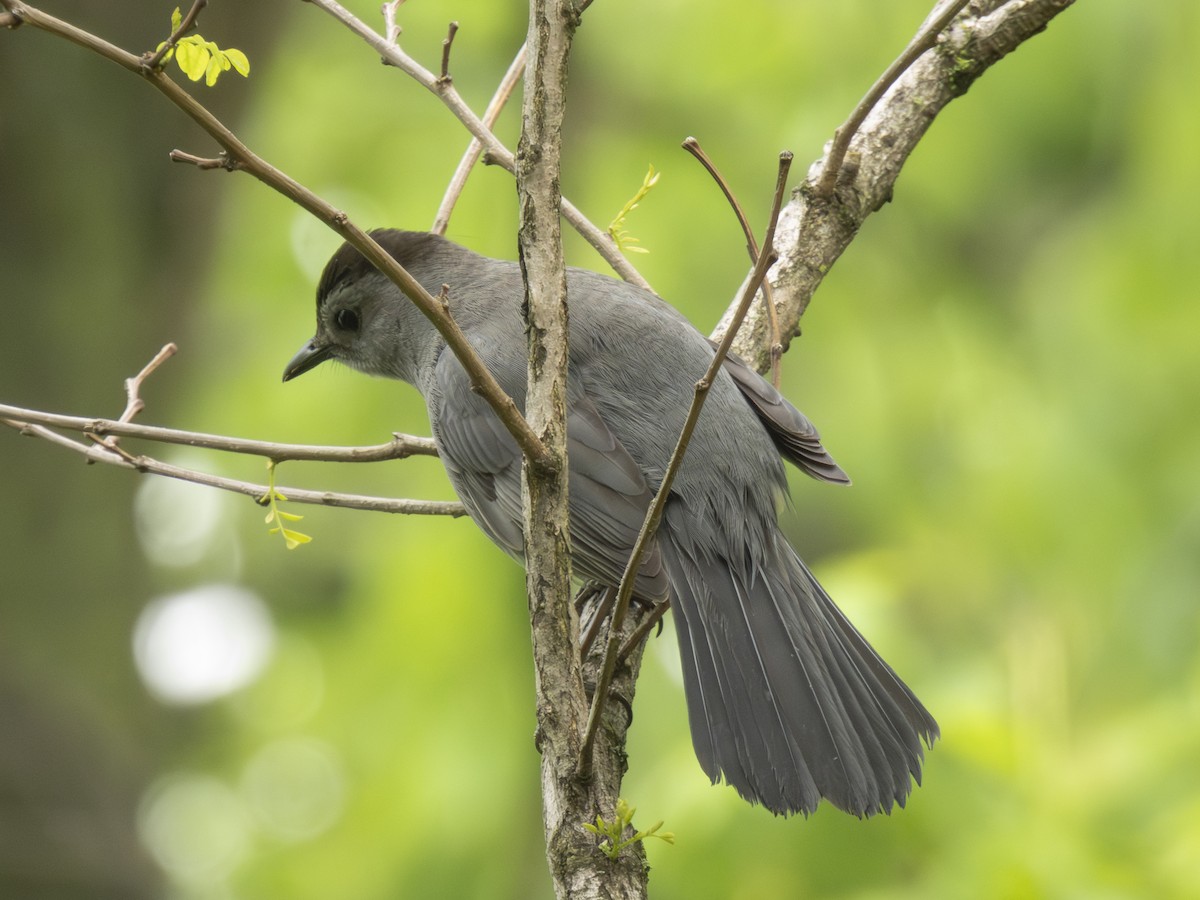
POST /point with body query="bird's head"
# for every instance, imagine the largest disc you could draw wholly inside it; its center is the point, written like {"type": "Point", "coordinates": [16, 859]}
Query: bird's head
{"type": "Point", "coordinates": [363, 320]}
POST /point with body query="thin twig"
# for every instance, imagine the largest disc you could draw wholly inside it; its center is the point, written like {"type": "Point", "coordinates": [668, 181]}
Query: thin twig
{"type": "Point", "coordinates": [105, 433]}
{"type": "Point", "coordinates": [638, 635]}
{"type": "Point", "coordinates": [692, 146]}
{"type": "Point", "coordinates": [475, 149]}
{"type": "Point", "coordinates": [99, 453]}
{"type": "Point", "coordinates": [391, 28]}
{"type": "Point", "coordinates": [501, 155]}
{"type": "Point", "coordinates": [202, 162]}
{"type": "Point", "coordinates": [447, 43]}
{"type": "Point", "coordinates": [654, 513]}
{"type": "Point", "coordinates": [133, 386]}
{"type": "Point", "coordinates": [186, 24]}
{"type": "Point", "coordinates": [482, 380]}
{"type": "Point", "coordinates": [400, 447]}
{"type": "Point", "coordinates": [926, 39]}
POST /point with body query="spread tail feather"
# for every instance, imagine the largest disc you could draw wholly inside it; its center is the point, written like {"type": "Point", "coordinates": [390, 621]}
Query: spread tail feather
{"type": "Point", "coordinates": [786, 699]}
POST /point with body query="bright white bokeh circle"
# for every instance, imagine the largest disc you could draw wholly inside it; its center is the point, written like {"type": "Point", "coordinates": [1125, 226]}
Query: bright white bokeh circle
{"type": "Point", "coordinates": [202, 644]}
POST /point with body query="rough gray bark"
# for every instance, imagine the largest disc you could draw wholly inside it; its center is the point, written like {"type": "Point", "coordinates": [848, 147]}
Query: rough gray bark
{"type": "Point", "coordinates": [578, 868]}
{"type": "Point", "coordinates": [814, 230]}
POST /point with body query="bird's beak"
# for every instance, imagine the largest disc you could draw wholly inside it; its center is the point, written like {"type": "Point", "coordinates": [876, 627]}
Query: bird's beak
{"type": "Point", "coordinates": [310, 356]}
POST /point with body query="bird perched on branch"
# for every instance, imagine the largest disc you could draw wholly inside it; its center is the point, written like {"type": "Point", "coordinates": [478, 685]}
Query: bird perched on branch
{"type": "Point", "coordinates": [786, 700]}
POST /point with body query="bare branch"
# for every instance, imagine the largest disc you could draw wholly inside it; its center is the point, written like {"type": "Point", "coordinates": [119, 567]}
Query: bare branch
{"type": "Point", "coordinates": [400, 447]}
{"type": "Point", "coordinates": [99, 453]}
{"type": "Point", "coordinates": [105, 433]}
{"type": "Point", "coordinates": [654, 514]}
{"type": "Point", "coordinates": [692, 146]}
{"type": "Point", "coordinates": [200, 162]}
{"type": "Point", "coordinates": [497, 152]}
{"type": "Point", "coordinates": [481, 379]}
{"type": "Point", "coordinates": [925, 39]}
{"type": "Point", "coordinates": [391, 27]}
{"type": "Point", "coordinates": [447, 43]}
{"type": "Point", "coordinates": [133, 386]}
{"type": "Point", "coordinates": [815, 229]}
{"type": "Point", "coordinates": [562, 704]}
{"type": "Point", "coordinates": [475, 149]}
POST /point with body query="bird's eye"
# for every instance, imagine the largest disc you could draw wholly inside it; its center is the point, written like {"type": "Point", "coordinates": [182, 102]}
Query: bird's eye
{"type": "Point", "coordinates": [346, 320]}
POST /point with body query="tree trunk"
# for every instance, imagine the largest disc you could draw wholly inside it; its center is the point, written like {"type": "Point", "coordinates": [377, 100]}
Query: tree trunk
{"type": "Point", "coordinates": [578, 867]}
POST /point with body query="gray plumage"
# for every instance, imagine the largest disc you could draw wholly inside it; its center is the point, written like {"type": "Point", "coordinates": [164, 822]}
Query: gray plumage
{"type": "Point", "coordinates": [786, 700]}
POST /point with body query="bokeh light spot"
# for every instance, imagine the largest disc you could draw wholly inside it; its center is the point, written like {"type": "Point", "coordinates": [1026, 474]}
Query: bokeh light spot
{"type": "Point", "coordinates": [296, 788]}
{"type": "Point", "coordinates": [176, 521]}
{"type": "Point", "coordinates": [196, 646]}
{"type": "Point", "coordinates": [195, 826]}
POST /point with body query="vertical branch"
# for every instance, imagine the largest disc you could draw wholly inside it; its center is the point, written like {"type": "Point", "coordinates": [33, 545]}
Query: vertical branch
{"type": "Point", "coordinates": [577, 867]}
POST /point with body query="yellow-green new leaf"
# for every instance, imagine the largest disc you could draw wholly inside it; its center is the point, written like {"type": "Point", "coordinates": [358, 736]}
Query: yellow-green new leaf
{"type": "Point", "coordinates": [294, 539]}
{"type": "Point", "coordinates": [214, 68]}
{"type": "Point", "coordinates": [193, 57]}
{"type": "Point", "coordinates": [239, 61]}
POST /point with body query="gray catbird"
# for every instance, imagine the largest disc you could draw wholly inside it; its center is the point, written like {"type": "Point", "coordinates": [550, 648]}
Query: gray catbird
{"type": "Point", "coordinates": [785, 698]}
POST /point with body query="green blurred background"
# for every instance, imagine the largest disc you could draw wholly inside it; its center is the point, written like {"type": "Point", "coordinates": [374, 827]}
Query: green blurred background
{"type": "Point", "coordinates": [1006, 362]}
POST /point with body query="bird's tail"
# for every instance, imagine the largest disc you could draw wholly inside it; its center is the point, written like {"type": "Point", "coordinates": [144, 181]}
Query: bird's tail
{"type": "Point", "coordinates": [786, 699]}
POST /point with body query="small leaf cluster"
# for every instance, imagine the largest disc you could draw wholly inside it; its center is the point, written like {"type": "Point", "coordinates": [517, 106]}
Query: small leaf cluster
{"type": "Point", "coordinates": [612, 832]}
{"type": "Point", "coordinates": [271, 499]}
{"type": "Point", "coordinates": [199, 58]}
{"type": "Point", "coordinates": [616, 228]}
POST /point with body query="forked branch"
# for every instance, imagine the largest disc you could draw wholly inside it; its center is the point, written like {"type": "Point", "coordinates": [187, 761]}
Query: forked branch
{"type": "Point", "coordinates": [445, 91]}
{"type": "Point", "coordinates": [244, 159]}
{"type": "Point", "coordinates": [141, 463]}
{"type": "Point", "coordinates": [871, 148]}
{"type": "Point", "coordinates": [925, 39]}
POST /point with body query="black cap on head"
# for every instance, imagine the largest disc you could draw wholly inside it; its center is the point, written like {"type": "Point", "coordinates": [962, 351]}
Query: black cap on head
{"type": "Point", "coordinates": [344, 267]}
{"type": "Point", "coordinates": [347, 264]}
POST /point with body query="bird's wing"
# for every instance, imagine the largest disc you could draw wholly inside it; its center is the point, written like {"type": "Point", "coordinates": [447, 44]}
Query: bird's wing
{"type": "Point", "coordinates": [480, 456]}
{"type": "Point", "coordinates": [795, 436]}
{"type": "Point", "coordinates": [609, 500]}
{"type": "Point", "coordinates": [609, 495]}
